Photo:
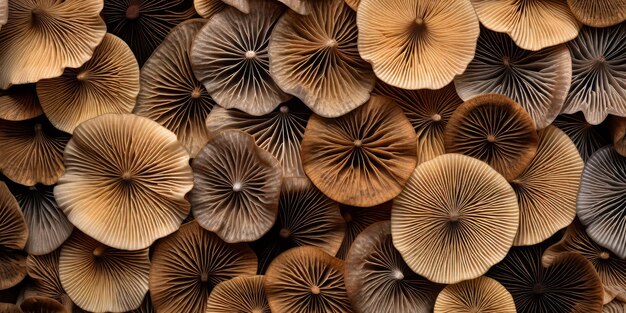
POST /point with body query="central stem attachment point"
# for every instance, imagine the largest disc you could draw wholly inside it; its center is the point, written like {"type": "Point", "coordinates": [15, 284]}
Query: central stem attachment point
{"type": "Point", "coordinates": [506, 61]}
{"type": "Point", "coordinates": [196, 93]}
{"type": "Point", "coordinates": [436, 117]}
{"type": "Point", "coordinates": [126, 176]}
{"type": "Point", "coordinates": [132, 12]}
{"type": "Point", "coordinates": [99, 251]}
{"type": "Point", "coordinates": [604, 255]}
{"type": "Point", "coordinates": [419, 21]}
{"type": "Point", "coordinates": [285, 233]}
{"type": "Point", "coordinates": [491, 138]}
{"type": "Point", "coordinates": [397, 274]}
{"type": "Point", "coordinates": [284, 109]}
{"type": "Point", "coordinates": [358, 143]}
{"type": "Point", "coordinates": [250, 55]}
{"type": "Point", "coordinates": [204, 277]}
{"type": "Point", "coordinates": [237, 186]}
{"type": "Point", "coordinates": [347, 217]}
{"type": "Point", "coordinates": [331, 43]}
{"type": "Point", "coordinates": [315, 290]}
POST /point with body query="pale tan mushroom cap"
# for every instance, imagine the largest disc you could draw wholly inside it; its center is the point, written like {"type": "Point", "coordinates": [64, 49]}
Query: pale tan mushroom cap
{"type": "Point", "coordinates": [239, 294]}
{"type": "Point", "coordinates": [599, 13]}
{"type": "Point", "coordinates": [482, 294]}
{"type": "Point", "coordinates": [207, 8]}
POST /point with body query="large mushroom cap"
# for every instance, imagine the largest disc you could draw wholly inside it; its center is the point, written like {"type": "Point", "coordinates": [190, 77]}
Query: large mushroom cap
{"type": "Point", "coordinates": [417, 44]}
{"type": "Point", "coordinates": [599, 13]}
{"type": "Point", "coordinates": [587, 138]}
{"type": "Point", "coordinates": [38, 304]}
{"type": "Point", "coordinates": [307, 280]}
{"type": "Point", "coordinates": [19, 103]}
{"type": "Point", "coordinates": [42, 37]}
{"type": "Point", "coordinates": [125, 181]}
{"type": "Point", "coordinates": [14, 236]}
{"type": "Point", "coordinates": [482, 294]}
{"type": "Point", "coordinates": [240, 294]}
{"type": "Point", "coordinates": [230, 57]}
{"type": "Point", "coordinates": [189, 263]}
{"type": "Point", "coordinates": [358, 219]}
{"type": "Point", "coordinates": [379, 281]}
{"type": "Point", "coordinates": [207, 8]}
{"type": "Point", "coordinates": [455, 218]}
{"type": "Point", "coordinates": [538, 81]}
{"type": "Point", "coordinates": [362, 158]}
{"type": "Point", "coordinates": [236, 187]}
{"type": "Point", "coordinates": [44, 273]}
{"type": "Point", "coordinates": [315, 58]}
{"type": "Point", "coordinates": [493, 129]}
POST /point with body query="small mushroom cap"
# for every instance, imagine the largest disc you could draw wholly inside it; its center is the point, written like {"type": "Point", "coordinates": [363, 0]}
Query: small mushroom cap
{"type": "Point", "coordinates": [358, 219]}
{"type": "Point", "coordinates": [207, 8]}
{"type": "Point", "coordinates": [44, 273]}
{"type": "Point", "coordinates": [618, 134]}
{"type": "Point", "coordinates": [39, 304]}
{"type": "Point", "coordinates": [19, 103]}
{"type": "Point", "coordinates": [587, 138]}
{"type": "Point", "coordinates": [14, 236]}
{"type": "Point", "coordinates": [599, 13]}
{"type": "Point", "coordinates": [240, 294]}
{"type": "Point", "coordinates": [482, 294]}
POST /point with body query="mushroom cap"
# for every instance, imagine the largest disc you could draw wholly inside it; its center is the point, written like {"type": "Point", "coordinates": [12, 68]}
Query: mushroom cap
{"type": "Point", "coordinates": [547, 188]}
{"type": "Point", "coordinates": [207, 8]}
{"type": "Point", "coordinates": [146, 306]}
{"type": "Point", "coordinates": [614, 307]}
{"type": "Point", "coordinates": [125, 181]}
{"type": "Point", "coordinates": [53, 35]}
{"type": "Point", "coordinates": [230, 57]}
{"type": "Point", "coordinates": [170, 94]}
{"type": "Point", "coordinates": [240, 294]}
{"type": "Point", "coordinates": [455, 218]}
{"type": "Point", "coordinates": [279, 132]}
{"type": "Point", "coordinates": [99, 278]}
{"type": "Point", "coordinates": [358, 219]}
{"type": "Point", "coordinates": [241, 5]}
{"type": "Point", "coordinates": [587, 138]}
{"type": "Point", "coordinates": [32, 151]}
{"type": "Point", "coordinates": [19, 103]}
{"type": "Point", "coordinates": [9, 308]}
{"type": "Point", "coordinates": [493, 129]}
{"type": "Point", "coordinates": [14, 236]}
{"type": "Point", "coordinates": [417, 44]}
{"type": "Point", "coordinates": [598, 86]}
{"type": "Point", "coordinates": [353, 4]}
{"type": "Point", "coordinates": [44, 273]}
{"type": "Point", "coordinates": [306, 279]}
{"type": "Point", "coordinates": [618, 134]}
{"type": "Point", "coordinates": [482, 294]}
{"type": "Point", "coordinates": [363, 158]}
{"type": "Point", "coordinates": [189, 263]}
{"type": "Point", "coordinates": [236, 187]}
{"type": "Point", "coordinates": [38, 304]}
{"type": "Point", "coordinates": [378, 280]}
{"type": "Point", "coordinates": [538, 81]}
{"type": "Point", "coordinates": [107, 83]}
{"type": "Point", "coordinates": [302, 7]}
{"type": "Point", "coordinates": [533, 25]}
{"type": "Point", "coordinates": [598, 13]}
{"type": "Point", "coordinates": [601, 197]}
{"type": "Point", "coordinates": [315, 58]}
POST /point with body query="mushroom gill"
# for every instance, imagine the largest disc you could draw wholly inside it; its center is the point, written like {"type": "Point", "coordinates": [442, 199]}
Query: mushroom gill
{"type": "Point", "coordinates": [19, 103]}
{"type": "Point", "coordinates": [240, 294]}
{"type": "Point", "coordinates": [587, 138]}
{"type": "Point", "coordinates": [599, 13]}
{"type": "Point", "coordinates": [44, 273]}
{"type": "Point", "coordinates": [207, 8]}
{"type": "Point", "coordinates": [483, 294]}
{"type": "Point", "coordinates": [358, 219]}
{"type": "Point", "coordinates": [13, 240]}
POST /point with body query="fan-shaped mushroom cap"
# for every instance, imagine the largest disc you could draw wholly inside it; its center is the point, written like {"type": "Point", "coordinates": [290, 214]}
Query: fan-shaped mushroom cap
{"type": "Point", "coordinates": [358, 219]}
{"type": "Point", "coordinates": [417, 44]}
{"type": "Point", "coordinates": [587, 138]}
{"type": "Point", "coordinates": [188, 264]}
{"type": "Point", "coordinates": [236, 187]}
{"type": "Point", "coordinates": [379, 281]}
{"type": "Point", "coordinates": [493, 129]}
{"type": "Point", "coordinates": [363, 158]}
{"type": "Point", "coordinates": [279, 132]}
{"type": "Point", "coordinates": [614, 307]}
{"type": "Point", "coordinates": [230, 57]}
{"type": "Point", "coordinates": [9, 308]}
{"type": "Point", "coordinates": [14, 236]}
{"type": "Point", "coordinates": [125, 181]}
{"type": "Point", "coordinates": [207, 8]}
{"type": "Point", "coordinates": [482, 294]}
{"type": "Point", "coordinates": [599, 13]}
{"type": "Point", "coordinates": [39, 304]}
{"type": "Point", "coordinates": [41, 38]}
{"type": "Point", "coordinates": [170, 94]}
{"type": "Point", "coordinates": [455, 218]}
{"type": "Point", "coordinates": [315, 58]}
{"type": "Point", "coordinates": [618, 134]}
{"type": "Point", "coordinates": [32, 151]}
{"type": "Point", "coordinates": [240, 294]}
{"type": "Point", "coordinates": [306, 279]}
{"type": "Point", "coordinates": [107, 83]}
{"type": "Point", "coordinates": [538, 81]}
{"type": "Point", "coordinates": [601, 197]}
{"type": "Point", "coordinates": [19, 103]}
{"type": "Point", "coordinates": [44, 273]}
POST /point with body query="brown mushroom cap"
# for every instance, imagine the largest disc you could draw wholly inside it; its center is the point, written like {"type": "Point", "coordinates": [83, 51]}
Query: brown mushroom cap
{"type": "Point", "coordinates": [9, 308]}
{"type": "Point", "coordinates": [599, 13]}
{"type": "Point", "coordinates": [358, 219]}
{"type": "Point", "coordinates": [306, 279]}
{"type": "Point", "coordinates": [39, 304]}
{"type": "Point", "coordinates": [302, 7]}
{"type": "Point", "coordinates": [363, 158]}
{"type": "Point", "coordinates": [170, 94]}
{"type": "Point", "coordinates": [44, 273]}
{"type": "Point", "coordinates": [618, 134]}
{"type": "Point", "coordinates": [41, 38]}
{"type": "Point", "coordinates": [353, 4]}
{"type": "Point", "coordinates": [240, 294]}
{"type": "Point", "coordinates": [482, 294]}
{"type": "Point", "coordinates": [378, 280]}
{"type": "Point", "coordinates": [417, 44]}
{"type": "Point", "coordinates": [455, 218]}
{"type": "Point", "coordinates": [14, 236]}
{"type": "Point", "coordinates": [146, 306]}
{"type": "Point", "coordinates": [19, 103]}
{"type": "Point", "coordinates": [587, 138]}
{"type": "Point", "coordinates": [188, 264]}
{"type": "Point", "coordinates": [493, 129]}
{"type": "Point", "coordinates": [241, 5]}
{"type": "Point", "coordinates": [236, 187]}
{"type": "Point", "coordinates": [125, 181]}
{"type": "Point", "coordinates": [207, 8]}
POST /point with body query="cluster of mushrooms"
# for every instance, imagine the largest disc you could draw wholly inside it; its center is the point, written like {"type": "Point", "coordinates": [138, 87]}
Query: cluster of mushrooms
{"type": "Point", "coordinates": [313, 156]}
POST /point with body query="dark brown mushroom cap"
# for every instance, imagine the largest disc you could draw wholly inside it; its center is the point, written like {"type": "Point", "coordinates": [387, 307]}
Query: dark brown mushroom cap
{"type": "Point", "coordinates": [240, 294]}
{"type": "Point", "coordinates": [9, 308]}
{"type": "Point", "coordinates": [598, 13]}
{"type": "Point", "coordinates": [601, 197]}
{"type": "Point", "coordinates": [14, 236]}
{"type": "Point", "coordinates": [587, 138]}
{"type": "Point", "coordinates": [306, 279]}
{"type": "Point", "coordinates": [230, 57]}
{"type": "Point", "coordinates": [236, 187]}
{"type": "Point", "coordinates": [538, 81]}
{"type": "Point", "coordinates": [207, 8]}
{"type": "Point", "coordinates": [618, 134]}
{"type": "Point", "coordinates": [279, 132]}
{"type": "Point", "coordinates": [315, 58]}
{"type": "Point", "coordinates": [482, 294]}
{"type": "Point", "coordinates": [455, 218]}
{"type": "Point", "coordinates": [379, 281]}
{"type": "Point", "coordinates": [614, 307]}
{"type": "Point", "coordinates": [19, 103]}
{"type": "Point", "coordinates": [493, 129]}
{"type": "Point", "coordinates": [32, 151]}
{"type": "Point", "coordinates": [44, 273]}
{"type": "Point", "coordinates": [189, 263]}
{"type": "Point", "coordinates": [363, 158]}
{"type": "Point", "coordinates": [358, 219]}
{"type": "Point", "coordinates": [50, 35]}
{"type": "Point", "coordinates": [170, 94]}
{"type": "Point", "coordinates": [38, 304]}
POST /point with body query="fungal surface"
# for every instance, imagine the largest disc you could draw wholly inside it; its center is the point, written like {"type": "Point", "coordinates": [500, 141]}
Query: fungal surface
{"type": "Point", "coordinates": [44, 273]}
{"type": "Point", "coordinates": [482, 294]}
{"type": "Point", "coordinates": [587, 138]}
{"type": "Point", "coordinates": [358, 219]}
{"type": "Point", "coordinates": [14, 236]}
{"type": "Point", "coordinates": [599, 13]}
{"type": "Point", "coordinates": [19, 103]}
{"type": "Point", "coordinates": [240, 294]}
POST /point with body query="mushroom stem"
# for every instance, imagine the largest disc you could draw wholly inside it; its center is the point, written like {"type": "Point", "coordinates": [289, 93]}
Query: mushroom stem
{"type": "Point", "coordinates": [347, 217]}
{"type": "Point", "coordinates": [204, 277]}
{"type": "Point", "coordinates": [99, 251]}
{"type": "Point", "coordinates": [133, 11]}
{"type": "Point", "coordinates": [285, 233]}
{"type": "Point", "coordinates": [436, 117]}
{"type": "Point", "coordinates": [315, 290]}
{"type": "Point", "coordinates": [82, 76]}
{"type": "Point", "coordinates": [358, 143]}
{"type": "Point", "coordinates": [250, 55]}
{"type": "Point", "coordinates": [196, 93]}
{"type": "Point", "coordinates": [38, 128]}
{"type": "Point", "coordinates": [491, 138]}
{"type": "Point", "coordinates": [397, 274]}
{"type": "Point", "coordinates": [604, 255]}
{"type": "Point", "coordinates": [284, 109]}
{"type": "Point", "coordinates": [237, 186]}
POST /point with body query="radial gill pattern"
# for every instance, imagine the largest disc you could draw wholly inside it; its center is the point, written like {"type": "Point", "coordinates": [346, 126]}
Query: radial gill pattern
{"type": "Point", "coordinates": [482, 294]}
{"type": "Point", "coordinates": [587, 138]}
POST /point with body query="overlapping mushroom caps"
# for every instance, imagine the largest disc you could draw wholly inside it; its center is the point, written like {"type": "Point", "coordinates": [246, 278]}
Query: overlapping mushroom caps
{"type": "Point", "coordinates": [599, 13]}
{"type": "Point", "coordinates": [315, 57]}
{"type": "Point", "coordinates": [494, 129]}
{"type": "Point", "coordinates": [19, 103]}
{"type": "Point", "coordinates": [38, 304]}
{"type": "Point", "coordinates": [189, 263]}
{"type": "Point", "coordinates": [482, 294]}
{"type": "Point", "coordinates": [207, 8]}
{"type": "Point", "coordinates": [358, 219]}
{"type": "Point", "coordinates": [538, 81]}
{"type": "Point", "coordinates": [587, 138]}
{"type": "Point", "coordinates": [601, 197]}
{"type": "Point", "coordinates": [230, 57]}
{"type": "Point", "coordinates": [125, 181]}
{"type": "Point", "coordinates": [362, 158]}
{"type": "Point", "coordinates": [42, 37]}
{"type": "Point", "coordinates": [14, 236]}
{"type": "Point", "coordinates": [44, 273]}
{"type": "Point", "coordinates": [455, 218]}
{"type": "Point", "coordinates": [417, 44]}
{"type": "Point", "coordinates": [170, 94]}
{"type": "Point", "coordinates": [240, 294]}
{"type": "Point", "coordinates": [236, 187]}
{"type": "Point", "coordinates": [379, 281]}
{"type": "Point", "coordinates": [306, 279]}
